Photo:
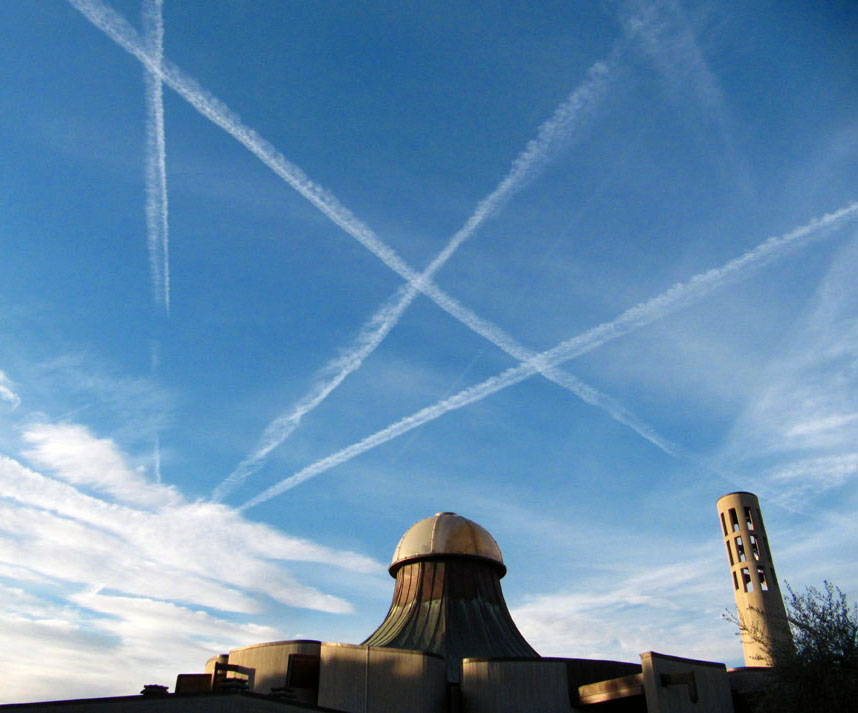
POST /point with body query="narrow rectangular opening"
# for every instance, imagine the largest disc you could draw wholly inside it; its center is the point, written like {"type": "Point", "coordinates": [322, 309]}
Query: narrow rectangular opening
{"type": "Point", "coordinates": [746, 580]}
{"type": "Point", "coordinates": [735, 581]}
{"type": "Point", "coordinates": [755, 548]}
{"type": "Point", "coordinates": [734, 520]}
{"type": "Point", "coordinates": [740, 549]}
{"type": "Point", "coordinates": [761, 573]}
{"type": "Point", "coordinates": [749, 521]}
{"type": "Point", "coordinates": [302, 671]}
{"type": "Point", "coordinates": [730, 553]}
{"type": "Point", "coordinates": [724, 524]}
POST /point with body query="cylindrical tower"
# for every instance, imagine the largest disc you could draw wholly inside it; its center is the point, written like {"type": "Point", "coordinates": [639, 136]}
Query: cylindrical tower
{"type": "Point", "coordinates": [762, 616]}
{"type": "Point", "coordinates": [447, 599]}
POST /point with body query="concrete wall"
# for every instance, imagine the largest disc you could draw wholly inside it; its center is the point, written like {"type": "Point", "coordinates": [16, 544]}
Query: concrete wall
{"type": "Point", "coordinates": [199, 703]}
{"type": "Point", "coordinates": [369, 679]}
{"type": "Point", "coordinates": [515, 685]}
{"type": "Point", "coordinates": [269, 661]}
{"type": "Point", "coordinates": [584, 671]}
{"type": "Point", "coordinates": [210, 664]}
{"type": "Point", "coordinates": [671, 685]}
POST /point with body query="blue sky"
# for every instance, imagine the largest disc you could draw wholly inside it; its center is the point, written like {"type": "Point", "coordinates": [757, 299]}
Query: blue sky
{"type": "Point", "coordinates": [279, 279]}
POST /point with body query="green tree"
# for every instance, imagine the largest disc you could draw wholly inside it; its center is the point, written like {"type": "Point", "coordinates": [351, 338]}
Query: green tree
{"type": "Point", "coordinates": [818, 670]}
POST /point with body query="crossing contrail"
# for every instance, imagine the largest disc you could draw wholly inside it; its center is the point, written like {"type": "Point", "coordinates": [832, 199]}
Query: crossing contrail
{"type": "Point", "coordinates": [156, 157]}
{"type": "Point", "coordinates": [553, 134]}
{"type": "Point", "coordinates": [120, 31]}
{"type": "Point", "coordinates": [678, 296]}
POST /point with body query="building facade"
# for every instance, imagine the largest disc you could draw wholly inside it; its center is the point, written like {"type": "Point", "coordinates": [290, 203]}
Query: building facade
{"type": "Point", "coordinates": [447, 645]}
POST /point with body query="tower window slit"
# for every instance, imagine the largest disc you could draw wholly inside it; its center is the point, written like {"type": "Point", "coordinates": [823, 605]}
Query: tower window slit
{"type": "Point", "coordinates": [755, 549]}
{"type": "Point", "coordinates": [735, 581]}
{"type": "Point", "coordinates": [761, 573]}
{"type": "Point", "coordinates": [740, 549]}
{"type": "Point", "coordinates": [730, 554]}
{"type": "Point", "coordinates": [724, 524]}
{"type": "Point", "coordinates": [734, 520]}
{"type": "Point", "coordinates": [746, 580]}
{"type": "Point", "coordinates": [749, 521]}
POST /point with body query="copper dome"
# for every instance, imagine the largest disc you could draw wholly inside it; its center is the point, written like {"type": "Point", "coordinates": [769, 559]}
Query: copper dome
{"type": "Point", "coordinates": [443, 535]}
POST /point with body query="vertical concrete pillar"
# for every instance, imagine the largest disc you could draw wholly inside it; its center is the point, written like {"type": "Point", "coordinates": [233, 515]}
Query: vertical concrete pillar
{"type": "Point", "coordinates": [755, 585]}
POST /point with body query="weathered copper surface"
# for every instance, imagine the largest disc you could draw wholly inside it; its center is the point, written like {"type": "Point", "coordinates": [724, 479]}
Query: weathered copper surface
{"type": "Point", "coordinates": [448, 599]}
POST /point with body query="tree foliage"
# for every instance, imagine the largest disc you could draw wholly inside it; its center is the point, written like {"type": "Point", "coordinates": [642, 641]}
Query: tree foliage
{"type": "Point", "coordinates": [818, 671]}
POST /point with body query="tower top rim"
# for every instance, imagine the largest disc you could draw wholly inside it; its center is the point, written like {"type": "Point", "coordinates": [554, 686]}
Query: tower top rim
{"type": "Point", "coordinates": [737, 492]}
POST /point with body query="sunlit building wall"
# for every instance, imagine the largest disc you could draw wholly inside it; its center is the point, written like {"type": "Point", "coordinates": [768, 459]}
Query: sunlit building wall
{"type": "Point", "coordinates": [758, 597]}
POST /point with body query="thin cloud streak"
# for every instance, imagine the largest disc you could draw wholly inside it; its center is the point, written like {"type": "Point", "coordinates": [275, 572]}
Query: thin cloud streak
{"type": "Point", "coordinates": [551, 136]}
{"type": "Point", "coordinates": [156, 158]}
{"type": "Point", "coordinates": [78, 457]}
{"type": "Point", "coordinates": [156, 459]}
{"type": "Point", "coordinates": [7, 393]}
{"type": "Point", "coordinates": [642, 314]}
{"type": "Point", "coordinates": [145, 546]}
{"type": "Point", "coordinates": [664, 34]}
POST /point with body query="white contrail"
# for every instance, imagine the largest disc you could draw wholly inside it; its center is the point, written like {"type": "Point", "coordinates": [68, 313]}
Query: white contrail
{"type": "Point", "coordinates": [552, 134]}
{"type": "Point", "coordinates": [156, 459]}
{"type": "Point", "coordinates": [154, 363]}
{"type": "Point", "coordinates": [371, 335]}
{"type": "Point", "coordinates": [678, 296]}
{"type": "Point", "coordinates": [118, 29]}
{"type": "Point", "coordinates": [156, 157]}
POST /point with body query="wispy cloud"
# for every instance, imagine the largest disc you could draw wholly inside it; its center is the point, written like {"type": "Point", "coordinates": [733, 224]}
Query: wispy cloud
{"type": "Point", "coordinates": [662, 31]}
{"type": "Point", "coordinates": [94, 643]}
{"type": "Point", "coordinates": [157, 226]}
{"type": "Point", "coordinates": [74, 455]}
{"type": "Point", "coordinates": [112, 578]}
{"type": "Point", "coordinates": [677, 297]}
{"type": "Point", "coordinates": [800, 425]}
{"type": "Point", "coordinates": [673, 607]}
{"type": "Point", "coordinates": [169, 537]}
{"type": "Point", "coordinates": [152, 542]}
{"type": "Point", "coordinates": [555, 133]}
{"type": "Point", "coordinates": [7, 392]}
{"type": "Point", "coordinates": [139, 404]}
{"type": "Point", "coordinates": [814, 475]}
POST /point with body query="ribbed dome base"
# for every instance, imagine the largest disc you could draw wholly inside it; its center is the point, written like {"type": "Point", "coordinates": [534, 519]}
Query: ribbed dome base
{"type": "Point", "coordinates": [452, 606]}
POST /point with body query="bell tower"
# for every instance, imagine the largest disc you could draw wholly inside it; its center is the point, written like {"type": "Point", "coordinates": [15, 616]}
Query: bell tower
{"type": "Point", "coordinates": [755, 585]}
